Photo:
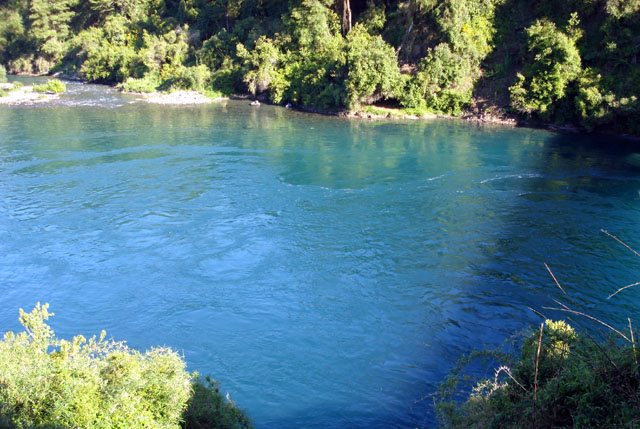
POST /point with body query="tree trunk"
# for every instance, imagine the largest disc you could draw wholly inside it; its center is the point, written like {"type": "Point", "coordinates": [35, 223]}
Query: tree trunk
{"type": "Point", "coordinates": [346, 16]}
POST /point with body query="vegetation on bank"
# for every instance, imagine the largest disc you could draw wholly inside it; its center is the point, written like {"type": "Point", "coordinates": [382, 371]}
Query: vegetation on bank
{"type": "Point", "coordinates": [562, 378]}
{"type": "Point", "coordinates": [95, 382]}
{"type": "Point", "coordinates": [568, 62]}
{"type": "Point", "coordinates": [53, 86]}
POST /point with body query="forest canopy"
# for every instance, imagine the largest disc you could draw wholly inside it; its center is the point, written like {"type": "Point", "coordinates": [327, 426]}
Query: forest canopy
{"type": "Point", "coordinates": [572, 62]}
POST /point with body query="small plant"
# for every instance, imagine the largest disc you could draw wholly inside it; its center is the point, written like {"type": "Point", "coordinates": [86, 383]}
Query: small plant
{"type": "Point", "coordinates": [16, 86]}
{"type": "Point", "coordinates": [53, 86]}
{"type": "Point", "coordinates": [3, 93]}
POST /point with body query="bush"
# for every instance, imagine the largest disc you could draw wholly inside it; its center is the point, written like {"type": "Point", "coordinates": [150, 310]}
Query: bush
{"type": "Point", "coordinates": [48, 382]}
{"type": "Point", "coordinates": [313, 71]}
{"type": "Point", "coordinates": [227, 78]}
{"type": "Point", "coordinates": [52, 86]}
{"type": "Point", "coordinates": [86, 383]}
{"type": "Point", "coordinates": [148, 83]}
{"type": "Point", "coordinates": [207, 408]}
{"type": "Point", "coordinates": [3, 74]}
{"type": "Point", "coordinates": [260, 64]}
{"type": "Point", "coordinates": [181, 77]}
{"type": "Point", "coordinates": [572, 381]}
{"type": "Point", "coordinates": [215, 50]}
{"type": "Point", "coordinates": [553, 63]}
{"type": "Point", "coordinates": [438, 84]}
{"type": "Point", "coordinates": [372, 67]}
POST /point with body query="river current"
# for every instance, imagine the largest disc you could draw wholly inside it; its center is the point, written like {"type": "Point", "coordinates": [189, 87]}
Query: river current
{"type": "Point", "coordinates": [328, 272]}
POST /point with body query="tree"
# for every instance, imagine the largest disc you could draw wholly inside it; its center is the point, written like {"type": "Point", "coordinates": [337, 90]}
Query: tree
{"type": "Point", "coordinates": [260, 64]}
{"type": "Point", "coordinates": [372, 67]}
{"type": "Point", "coordinates": [50, 21]}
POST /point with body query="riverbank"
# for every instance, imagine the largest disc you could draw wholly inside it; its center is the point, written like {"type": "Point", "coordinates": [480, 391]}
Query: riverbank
{"type": "Point", "coordinates": [25, 96]}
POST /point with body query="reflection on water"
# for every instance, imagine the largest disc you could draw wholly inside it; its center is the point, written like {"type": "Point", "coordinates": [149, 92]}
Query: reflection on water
{"type": "Point", "coordinates": [327, 271]}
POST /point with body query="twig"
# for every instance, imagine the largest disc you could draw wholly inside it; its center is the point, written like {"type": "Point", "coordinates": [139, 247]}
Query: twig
{"type": "Point", "coordinates": [560, 304]}
{"type": "Point", "coordinates": [554, 279]}
{"type": "Point", "coordinates": [538, 313]}
{"type": "Point", "coordinates": [620, 241]}
{"type": "Point", "coordinates": [535, 379]}
{"type": "Point", "coordinates": [590, 317]}
{"type": "Point", "coordinates": [623, 288]}
{"type": "Point", "coordinates": [633, 342]}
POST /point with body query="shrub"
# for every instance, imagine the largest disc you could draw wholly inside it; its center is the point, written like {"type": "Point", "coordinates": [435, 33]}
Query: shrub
{"type": "Point", "coordinates": [227, 78]}
{"type": "Point", "coordinates": [313, 69]}
{"type": "Point", "coordinates": [553, 63]}
{"type": "Point", "coordinates": [215, 50]}
{"type": "Point", "coordinates": [52, 86]}
{"type": "Point", "coordinates": [148, 83]}
{"type": "Point", "coordinates": [3, 74]}
{"type": "Point", "coordinates": [260, 64]}
{"type": "Point", "coordinates": [86, 383]}
{"type": "Point", "coordinates": [21, 64]}
{"type": "Point", "coordinates": [438, 84]}
{"type": "Point", "coordinates": [181, 77]}
{"type": "Point", "coordinates": [208, 409]}
{"type": "Point", "coordinates": [49, 382]}
{"type": "Point", "coordinates": [572, 381]}
{"type": "Point", "coordinates": [372, 67]}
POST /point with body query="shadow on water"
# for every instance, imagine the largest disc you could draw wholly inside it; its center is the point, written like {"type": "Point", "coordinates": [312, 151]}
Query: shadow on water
{"type": "Point", "coordinates": [550, 205]}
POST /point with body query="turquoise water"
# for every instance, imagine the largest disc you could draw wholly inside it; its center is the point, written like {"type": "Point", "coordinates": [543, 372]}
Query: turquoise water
{"type": "Point", "coordinates": [327, 272]}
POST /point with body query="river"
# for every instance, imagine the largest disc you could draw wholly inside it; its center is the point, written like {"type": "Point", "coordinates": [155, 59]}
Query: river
{"type": "Point", "coordinates": [328, 272]}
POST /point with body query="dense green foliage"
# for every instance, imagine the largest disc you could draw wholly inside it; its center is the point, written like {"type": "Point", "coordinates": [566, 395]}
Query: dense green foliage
{"type": "Point", "coordinates": [3, 73]}
{"type": "Point", "coordinates": [561, 379]}
{"type": "Point", "coordinates": [569, 62]}
{"type": "Point", "coordinates": [553, 61]}
{"type": "Point", "coordinates": [49, 382]}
